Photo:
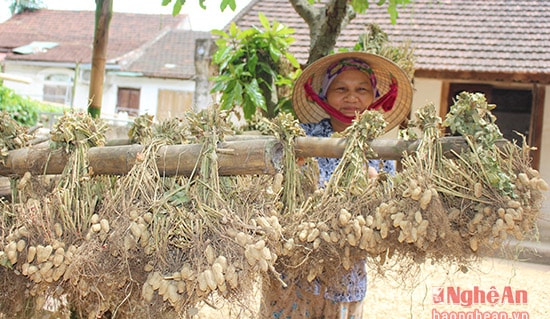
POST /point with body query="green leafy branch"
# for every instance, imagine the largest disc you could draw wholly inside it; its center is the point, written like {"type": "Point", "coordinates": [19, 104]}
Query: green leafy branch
{"type": "Point", "coordinates": [254, 68]}
{"type": "Point", "coordinates": [360, 6]}
{"type": "Point", "coordinates": [178, 4]}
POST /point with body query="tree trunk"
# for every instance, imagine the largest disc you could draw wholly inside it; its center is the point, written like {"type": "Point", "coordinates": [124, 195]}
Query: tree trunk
{"type": "Point", "coordinates": [325, 24]}
{"type": "Point", "coordinates": [103, 14]}
{"type": "Point", "coordinates": [203, 57]}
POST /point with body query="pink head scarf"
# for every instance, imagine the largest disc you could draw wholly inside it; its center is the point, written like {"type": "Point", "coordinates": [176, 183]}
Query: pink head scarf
{"type": "Point", "coordinates": [347, 64]}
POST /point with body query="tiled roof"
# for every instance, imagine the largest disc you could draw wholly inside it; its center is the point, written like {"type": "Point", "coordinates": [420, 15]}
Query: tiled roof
{"type": "Point", "coordinates": [137, 42]}
{"type": "Point", "coordinates": [494, 39]}
{"type": "Point", "coordinates": [171, 56]}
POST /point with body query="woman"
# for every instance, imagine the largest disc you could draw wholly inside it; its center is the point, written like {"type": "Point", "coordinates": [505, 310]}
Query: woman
{"type": "Point", "coordinates": [327, 97]}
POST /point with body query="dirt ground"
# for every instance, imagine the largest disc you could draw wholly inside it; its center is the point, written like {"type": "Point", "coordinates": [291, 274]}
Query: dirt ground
{"type": "Point", "coordinates": [520, 290]}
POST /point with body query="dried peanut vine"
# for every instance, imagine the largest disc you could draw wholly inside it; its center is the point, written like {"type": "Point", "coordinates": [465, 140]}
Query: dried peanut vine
{"type": "Point", "coordinates": [110, 243]}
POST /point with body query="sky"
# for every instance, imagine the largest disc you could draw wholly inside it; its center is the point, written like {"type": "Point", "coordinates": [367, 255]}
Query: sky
{"type": "Point", "coordinates": [201, 20]}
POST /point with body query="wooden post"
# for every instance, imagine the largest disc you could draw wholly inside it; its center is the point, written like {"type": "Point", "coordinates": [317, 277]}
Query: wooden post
{"type": "Point", "coordinates": [103, 14]}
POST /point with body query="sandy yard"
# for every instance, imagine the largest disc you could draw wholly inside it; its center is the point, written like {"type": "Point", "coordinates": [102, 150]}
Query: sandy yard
{"type": "Point", "coordinates": [508, 283]}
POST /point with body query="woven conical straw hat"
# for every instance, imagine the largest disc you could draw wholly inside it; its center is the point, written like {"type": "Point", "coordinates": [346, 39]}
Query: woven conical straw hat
{"type": "Point", "coordinates": [308, 111]}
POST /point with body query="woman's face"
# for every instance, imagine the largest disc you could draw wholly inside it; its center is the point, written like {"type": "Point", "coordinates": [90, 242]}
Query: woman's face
{"type": "Point", "coordinates": [350, 92]}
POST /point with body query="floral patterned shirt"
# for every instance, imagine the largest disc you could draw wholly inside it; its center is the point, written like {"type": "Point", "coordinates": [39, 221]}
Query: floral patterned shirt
{"type": "Point", "coordinates": [355, 280]}
{"type": "Point", "coordinates": [328, 165]}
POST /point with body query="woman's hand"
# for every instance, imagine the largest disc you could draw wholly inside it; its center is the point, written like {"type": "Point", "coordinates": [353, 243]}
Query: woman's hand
{"type": "Point", "coordinates": [373, 174]}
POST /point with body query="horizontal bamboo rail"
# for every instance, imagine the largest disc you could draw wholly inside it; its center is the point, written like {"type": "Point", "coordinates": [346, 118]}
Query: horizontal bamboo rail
{"type": "Point", "coordinates": [240, 155]}
{"type": "Point", "coordinates": [257, 156]}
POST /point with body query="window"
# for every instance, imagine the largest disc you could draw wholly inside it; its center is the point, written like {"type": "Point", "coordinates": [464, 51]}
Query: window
{"type": "Point", "coordinates": [58, 88]}
{"type": "Point", "coordinates": [128, 101]}
{"type": "Point", "coordinates": [513, 112]}
{"type": "Point", "coordinates": [513, 107]}
{"type": "Point", "coordinates": [517, 110]}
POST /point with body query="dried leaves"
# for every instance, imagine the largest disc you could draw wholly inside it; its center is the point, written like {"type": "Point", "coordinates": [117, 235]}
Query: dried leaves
{"type": "Point", "coordinates": [12, 135]}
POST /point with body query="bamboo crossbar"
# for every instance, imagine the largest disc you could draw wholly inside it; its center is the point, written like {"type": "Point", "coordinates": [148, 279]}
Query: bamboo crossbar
{"type": "Point", "coordinates": [258, 156]}
{"type": "Point", "coordinates": [239, 155]}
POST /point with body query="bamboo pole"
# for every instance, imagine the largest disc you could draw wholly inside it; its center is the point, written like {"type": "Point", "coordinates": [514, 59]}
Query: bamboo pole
{"type": "Point", "coordinates": [15, 78]}
{"type": "Point", "coordinates": [388, 149]}
{"type": "Point", "coordinates": [259, 156]}
{"type": "Point", "coordinates": [103, 16]}
{"type": "Point", "coordinates": [241, 155]}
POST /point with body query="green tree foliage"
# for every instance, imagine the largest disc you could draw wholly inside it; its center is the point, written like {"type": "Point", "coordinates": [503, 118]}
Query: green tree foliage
{"type": "Point", "coordinates": [361, 6]}
{"type": "Point", "coordinates": [255, 67]}
{"type": "Point", "coordinates": [178, 4]}
{"type": "Point", "coordinates": [20, 6]}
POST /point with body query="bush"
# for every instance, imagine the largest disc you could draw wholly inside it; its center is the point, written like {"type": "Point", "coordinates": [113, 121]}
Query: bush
{"type": "Point", "coordinates": [24, 110]}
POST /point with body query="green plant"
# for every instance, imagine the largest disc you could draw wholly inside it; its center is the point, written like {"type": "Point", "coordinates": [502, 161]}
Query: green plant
{"type": "Point", "coordinates": [471, 117]}
{"type": "Point", "coordinates": [22, 109]}
{"type": "Point", "coordinates": [255, 68]}
{"type": "Point", "coordinates": [45, 107]}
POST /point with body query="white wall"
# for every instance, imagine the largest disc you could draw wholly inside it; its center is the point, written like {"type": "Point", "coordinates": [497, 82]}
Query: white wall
{"type": "Point", "coordinates": [149, 87]}
{"type": "Point", "coordinates": [32, 90]}
{"type": "Point", "coordinates": [545, 143]}
{"type": "Point", "coordinates": [426, 91]}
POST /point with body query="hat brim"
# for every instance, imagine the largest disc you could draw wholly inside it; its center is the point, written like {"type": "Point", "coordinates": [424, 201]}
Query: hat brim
{"type": "Point", "coordinates": [308, 111]}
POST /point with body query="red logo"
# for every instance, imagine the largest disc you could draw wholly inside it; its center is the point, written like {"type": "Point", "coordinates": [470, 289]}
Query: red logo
{"type": "Point", "coordinates": [438, 294]}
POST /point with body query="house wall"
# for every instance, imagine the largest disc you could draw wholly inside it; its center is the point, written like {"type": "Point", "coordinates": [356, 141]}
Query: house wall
{"type": "Point", "coordinates": [426, 91]}
{"type": "Point", "coordinates": [149, 87]}
{"type": "Point", "coordinates": [33, 89]}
